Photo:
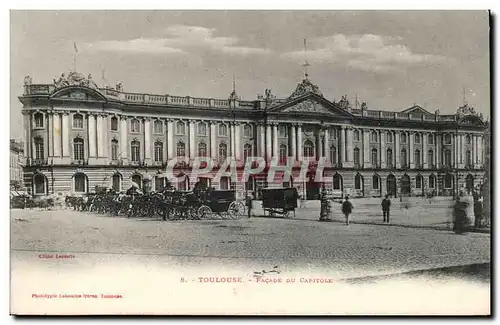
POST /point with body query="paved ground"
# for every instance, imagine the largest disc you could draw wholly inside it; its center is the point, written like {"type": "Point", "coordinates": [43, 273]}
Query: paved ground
{"type": "Point", "coordinates": [180, 252]}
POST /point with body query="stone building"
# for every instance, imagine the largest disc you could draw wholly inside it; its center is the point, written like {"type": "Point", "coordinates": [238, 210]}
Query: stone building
{"type": "Point", "coordinates": [16, 163]}
{"type": "Point", "coordinates": [79, 136]}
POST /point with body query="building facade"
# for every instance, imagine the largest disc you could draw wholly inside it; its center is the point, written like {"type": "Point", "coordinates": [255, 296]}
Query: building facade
{"type": "Point", "coordinates": [79, 136]}
{"type": "Point", "coordinates": [16, 163]}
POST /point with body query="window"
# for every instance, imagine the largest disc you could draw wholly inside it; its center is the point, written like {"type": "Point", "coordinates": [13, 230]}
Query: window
{"type": "Point", "coordinates": [282, 131]}
{"type": "Point", "coordinates": [224, 183]}
{"type": "Point", "coordinates": [403, 137]}
{"type": "Point", "coordinates": [389, 157]}
{"type": "Point", "coordinates": [77, 121]}
{"type": "Point", "coordinates": [448, 181]}
{"type": "Point", "coordinates": [333, 154]}
{"type": "Point", "coordinates": [308, 149]}
{"type": "Point", "coordinates": [137, 179]}
{"type": "Point", "coordinates": [283, 154]}
{"type": "Point", "coordinates": [447, 158]}
{"type": "Point", "coordinates": [417, 157]}
{"type": "Point", "coordinates": [117, 179]}
{"type": "Point", "coordinates": [467, 139]}
{"type": "Point", "coordinates": [223, 130]}
{"type": "Point", "coordinates": [222, 151]}
{"type": "Point", "coordinates": [159, 181]}
{"type": "Point", "coordinates": [202, 149]}
{"type": "Point", "coordinates": [356, 156]}
{"type": "Point", "coordinates": [135, 151]}
{"type": "Point", "coordinates": [247, 151]}
{"type": "Point", "coordinates": [337, 182]}
{"type": "Point", "coordinates": [39, 181]}
{"type": "Point", "coordinates": [180, 128]}
{"type": "Point", "coordinates": [430, 157]}
{"type": "Point", "coordinates": [358, 182]}
{"type": "Point", "coordinates": [376, 182]}
{"type": "Point", "coordinates": [447, 139]}
{"type": "Point", "coordinates": [247, 131]}
{"type": "Point", "coordinates": [432, 181]}
{"type": "Point", "coordinates": [468, 158]}
{"type": "Point", "coordinates": [38, 120]}
{"type": "Point", "coordinates": [39, 148]}
{"type": "Point", "coordinates": [80, 183]}
{"type": "Point", "coordinates": [135, 126]}
{"type": "Point", "coordinates": [389, 137]}
{"type": "Point", "coordinates": [356, 135]}
{"type": "Point", "coordinates": [114, 149]}
{"type": "Point", "coordinates": [114, 124]}
{"type": "Point", "coordinates": [417, 138]}
{"type": "Point", "coordinates": [404, 159]}
{"type": "Point", "coordinates": [78, 151]}
{"type": "Point", "coordinates": [374, 136]}
{"type": "Point", "coordinates": [431, 139]}
{"type": "Point", "coordinates": [418, 181]}
{"type": "Point", "coordinates": [374, 157]}
{"type": "Point", "coordinates": [158, 127]}
{"type": "Point", "coordinates": [181, 149]}
{"type": "Point", "coordinates": [158, 153]}
{"type": "Point", "coordinates": [202, 129]}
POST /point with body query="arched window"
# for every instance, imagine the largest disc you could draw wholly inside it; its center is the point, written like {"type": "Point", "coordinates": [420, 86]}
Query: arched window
{"type": "Point", "coordinates": [222, 151]}
{"type": "Point", "coordinates": [356, 156]}
{"type": "Point", "coordinates": [247, 131]}
{"type": "Point", "coordinates": [376, 182]}
{"type": "Point", "coordinates": [374, 136]}
{"type": "Point", "coordinates": [202, 128]}
{"type": "Point", "coordinates": [158, 127]}
{"type": "Point", "coordinates": [135, 151]}
{"type": "Point", "coordinates": [389, 157]}
{"type": "Point", "coordinates": [158, 154]}
{"type": "Point", "coordinates": [180, 128]}
{"type": "Point", "coordinates": [116, 180]}
{"type": "Point", "coordinates": [283, 154]}
{"type": "Point", "coordinates": [447, 158]}
{"type": "Point", "coordinates": [308, 149]}
{"type": "Point", "coordinates": [404, 159]}
{"type": "Point", "coordinates": [358, 182]}
{"type": "Point", "coordinates": [78, 149]}
{"type": "Point", "coordinates": [374, 157]}
{"type": "Point", "coordinates": [356, 135]}
{"type": "Point", "coordinates": [468, 158]}
{"type": "Point", "coordinates": [202, 149]}
{"type": "Point", "coordinates": [181, 149]}
{"type": "Point", "coordinates": [417, 157]}
{"type": "Point", "coordinates": [418, 181]}
{"type": "Point", "coordinates": [77, 121]}
{"type": "Point", "coordinates": [447, 139]}
{"type": "Point", "coordinates": [135, 126]}
{"type": "Point", "coordinates": [223, 130]}
{"type": "Point", "coordinates": [225, 183]}
{"type": "Point", "coordinates": [389, 137]}
{"type": "Point", "coordinates": [403, 137]}
{"type": "Point", "coordinates": [137, 179]}
{"type": "Point", "coordinates": [432, 181]}
{"type": "Point", "coordinates": [247, 151]}
{"type": "Point", "coordinates": [417, 138]}
{"type": "Point", "coordinates": [448, 181]}
{"type": "Point", "coordinates": [333, 154]}
{"type": "Point", "coordinates": [431, 139]}
{"type": "Point", "coordinates": [467, 139]}
{"type": "Point", "coordinates": [114, 124]}
{"type": "Point", "coordinates": [80, 183]}
{"type": "Point", "coordinates": [282, 131]}
{"type": "Point", "coordinates": [40, 185]}
{"type": "Point", "coordinates": [38, 120]}
{"type": "Point", "coordinates": [337, 182]}
{"type": "Point", "coordinates": [39, 148]}
{"type": "Point", "coordinates": [430, 157]}
{"type": "Point", "coordinates": [114, 149]}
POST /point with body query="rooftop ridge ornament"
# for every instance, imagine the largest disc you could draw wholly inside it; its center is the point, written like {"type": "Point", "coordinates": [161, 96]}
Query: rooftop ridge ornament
{"type": "Point", "coordinates": [305, 87]}
{"type": "Point", "coordinates": [306, 64]}
{"type": "Point", "coordinates": [233, 95]}
{"type": "Point", "coordinates": [466, 109]}
{"type": "Point", "coordinates": [74, 79]}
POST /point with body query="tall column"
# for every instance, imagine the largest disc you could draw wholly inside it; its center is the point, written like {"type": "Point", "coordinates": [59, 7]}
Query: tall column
{"type": "Point", "coordinates": [50, 134]}
{"type": "Point", "coordinates": [366, 148]}
{"type": "Point", "coordinates": [481, 150]}
{"type": "Point", "coordinates": [268, 143]}
{"type": "Point", "coordinates": [65, 134]}
{"type": "Point", "coordinates": [213, 140]}
{"type": "Point", "coordinates": [261, 134]}
{"type": "Point", "coordinates": [438, 151]}
{"type": "Point", "coordinates": [476, 145]}
{"type": "Point", "coordinates": [382, 149]}
{"type": "Point", "coordinates": [425, 163]}
{"type": "Point", "coordinates": [27, 134]}
{"type": "Point", "coordinates": [147, 139]}
{"type": "Point", "coordinates": [293, 144]}
{"type": "Point", "coordinates": [98, 130]}
{"type": "Point", "coordinates": [397, 149]}
{"type": "Point", "coordinates": [342, 148]}
{"type": "Point", "coordinates": [326, 144]}
{"type": "Point", "coordinates": [105, 140]}
{"type": "Point", "coordinates": [56, 124]}
{"type": "Point", "coordinates": [123, 139]}
{"type": "Point", "coordinates": [300, 151]}
{"type": "Point", "coordinates": [411, 150]}
{"type": "Point", "coordinates": [349, 147]}
{"type": "Point", "coordinates": [275, 140]}
{"type": "Point", "coordinates": [453, 151]}
{"type": "Point", "coordinates": [170, 137]}
{"type": "Point", "coordinates": [462, 149]}
{"type": "Point", "coordinates": [192, 145]}
{"type": "Point", "coordinates": [231, 139]}
{"type": "Point", "coordinates": [237, 139]}
{"type": "Point", "coordinates": [92, 137]}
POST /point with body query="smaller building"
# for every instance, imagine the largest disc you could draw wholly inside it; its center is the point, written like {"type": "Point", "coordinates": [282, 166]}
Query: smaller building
{"type": "Point", "coordinates": [16, 164]}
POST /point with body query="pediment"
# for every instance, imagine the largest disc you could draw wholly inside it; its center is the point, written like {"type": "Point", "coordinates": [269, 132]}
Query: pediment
{"type": "Point", "coordinates": [78, 93]}
{"type": "Point", "coordinates": [311, 104]}
{"type": "Point", "coordinates": [417, 110]}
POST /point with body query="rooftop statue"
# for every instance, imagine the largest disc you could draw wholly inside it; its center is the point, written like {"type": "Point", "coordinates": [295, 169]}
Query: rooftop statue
{"type": "Point", "coordinates": [344, 103]}
{"type": "Point", "coordinates": [467, 110]}
{"type": "Point", "coordinates": [74, 79]}
{"type": "Point", "coordinates": [269, 98]}
{"type": "Point", "coordinates": [364, 106]}
{"type": "Point", "coordinates": [28, 80]}
{"type": "Point", "coordinates": [119, 86]}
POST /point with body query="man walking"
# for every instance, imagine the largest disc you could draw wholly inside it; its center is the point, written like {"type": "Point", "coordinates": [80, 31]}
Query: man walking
{"type": "Point", "coordinates": [347, 209]}
{"type": "Point", "coordinates": [386, 207]}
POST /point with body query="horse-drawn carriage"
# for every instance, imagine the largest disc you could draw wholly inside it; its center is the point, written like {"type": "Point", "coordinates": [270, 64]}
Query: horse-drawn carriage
{"type": "Point", "coordinates": [279, 201]}
{"type": "Point", "coordinates": [221, 203]}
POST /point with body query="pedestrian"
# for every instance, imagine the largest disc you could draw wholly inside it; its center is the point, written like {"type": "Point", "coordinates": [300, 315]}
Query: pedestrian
{"type": "Point", "coordinates": [478, 210]}
{"type": "Point", "coordinates": [386, 208]}
{"type": "Point", "coordinates": [347, 209]}
{"type": "Point", "coordinates": [249, 205]}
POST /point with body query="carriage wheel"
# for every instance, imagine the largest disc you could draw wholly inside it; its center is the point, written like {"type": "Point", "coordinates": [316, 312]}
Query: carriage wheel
{"type": "Point", "coordinates": [286, 214]}
{"type": "Point", "coordinates": [236, 210]}
{"type": "Point", "coordinates": [204, 212]}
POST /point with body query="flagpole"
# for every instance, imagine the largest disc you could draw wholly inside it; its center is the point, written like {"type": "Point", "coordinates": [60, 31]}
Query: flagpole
{"type": "Point", "coordinates": [74, 56]}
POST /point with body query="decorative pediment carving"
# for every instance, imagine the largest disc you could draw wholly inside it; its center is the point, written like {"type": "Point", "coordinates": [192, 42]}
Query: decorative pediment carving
{"type": "Point", "coordinates": [305, 87]}
{"type": "Point", "coordinates": [308, 105]}
{"type": "Point", "coordinates": [75, 79]}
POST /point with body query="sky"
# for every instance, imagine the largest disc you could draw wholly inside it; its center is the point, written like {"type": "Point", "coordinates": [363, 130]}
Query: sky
{"type": "Point", "coordinates": [391, 60]}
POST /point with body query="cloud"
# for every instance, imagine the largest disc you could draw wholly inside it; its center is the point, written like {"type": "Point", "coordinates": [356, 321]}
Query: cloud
{"type": "Point", "coordinates": [179, 39]}
{"type": "Point", "coordinates": [366, 52]}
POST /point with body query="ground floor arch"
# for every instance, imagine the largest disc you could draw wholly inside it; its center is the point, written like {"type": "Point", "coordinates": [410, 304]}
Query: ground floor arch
{"type": "Point", "coordinates": [469, 183]}
{"type": "Point", "coordinates": [391, 184]}
{"type": "Point", "coordinates": [80, 183]}
{"type": "Point", "coordinates": [40, 184]}
{"type": "Point", "coordinates": [405, 185]}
